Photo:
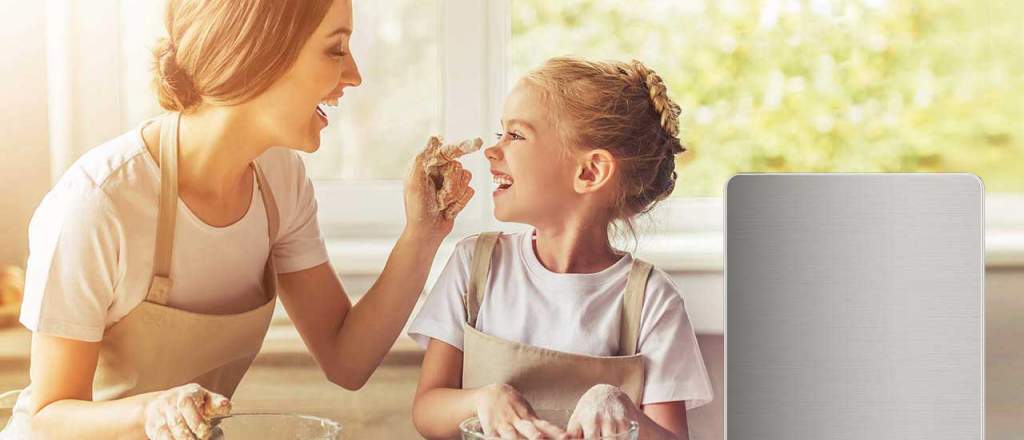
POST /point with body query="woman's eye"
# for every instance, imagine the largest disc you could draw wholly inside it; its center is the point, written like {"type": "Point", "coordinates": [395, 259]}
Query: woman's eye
{"type": "Point", "coordinates": [339, 54]}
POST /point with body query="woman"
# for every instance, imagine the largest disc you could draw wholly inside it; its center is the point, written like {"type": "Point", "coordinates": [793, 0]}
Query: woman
{"type": "Point", "coordinates": [151, 276]}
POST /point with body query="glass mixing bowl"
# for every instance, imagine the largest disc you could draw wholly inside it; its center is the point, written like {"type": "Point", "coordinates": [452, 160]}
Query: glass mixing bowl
{"type": "Point", "coordinates": [471, 429]}
{"type": "Point", "coordinates": [276, 426]}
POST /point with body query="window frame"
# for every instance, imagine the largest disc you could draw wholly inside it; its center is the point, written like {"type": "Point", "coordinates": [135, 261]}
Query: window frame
{"type": "Point", "coordinates": [85, 57]}
{"type": "Point", "coordinates": [469, 63]}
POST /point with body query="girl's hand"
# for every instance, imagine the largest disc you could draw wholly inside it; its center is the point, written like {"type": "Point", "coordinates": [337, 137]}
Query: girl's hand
{"type": "Point", "coordinates": [183, 413]}
{"type": "Point", "coordinates": [504, 412]}
{"type": "Point", "coordinates": [423, 219]}
{"type": "Point", "coordinates": [603, 410]}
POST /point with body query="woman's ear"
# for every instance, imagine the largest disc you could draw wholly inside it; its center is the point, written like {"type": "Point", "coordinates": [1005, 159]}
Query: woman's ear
{"type": "Point", "coordinates": [594, 170]}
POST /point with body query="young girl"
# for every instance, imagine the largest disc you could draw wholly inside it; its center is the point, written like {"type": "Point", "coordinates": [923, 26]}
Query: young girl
{"type": "Point", "coordinates": [526, 323]}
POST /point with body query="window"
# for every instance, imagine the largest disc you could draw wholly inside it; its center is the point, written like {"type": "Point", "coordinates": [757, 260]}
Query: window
{"type": "Point", "coordinates": [813, 85]}
{"type": "Point", "coordinates": [385, 121]}
{"type": "Point", "coordinates": [372, 136]}
{"type": "Point", "coordinates": [765, 85]}
{"type": "Point", "coordinates": [393, 110]}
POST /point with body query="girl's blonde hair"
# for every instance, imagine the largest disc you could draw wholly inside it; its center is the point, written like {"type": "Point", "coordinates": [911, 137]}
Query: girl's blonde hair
{"type": "Point", "coordinates": [229, 51]}
{"type": "Point", "coordinates": [623, 108]}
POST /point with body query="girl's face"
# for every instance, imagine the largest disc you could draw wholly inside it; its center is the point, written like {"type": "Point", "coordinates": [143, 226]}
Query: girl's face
{"type": "Point", "coordinates": [529, 163]}
{"type": "Point", "coordinates": [324, 67]}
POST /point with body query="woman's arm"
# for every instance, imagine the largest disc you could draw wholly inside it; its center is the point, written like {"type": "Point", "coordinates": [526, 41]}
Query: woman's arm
{"type": "Point", "coordinates": [349, 342]}
{"type": "Point", "coordinates": [62, 374]}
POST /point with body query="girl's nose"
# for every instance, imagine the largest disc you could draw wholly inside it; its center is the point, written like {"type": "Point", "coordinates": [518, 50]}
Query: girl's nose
{"type": "Point", "coordinates": [492, 152]}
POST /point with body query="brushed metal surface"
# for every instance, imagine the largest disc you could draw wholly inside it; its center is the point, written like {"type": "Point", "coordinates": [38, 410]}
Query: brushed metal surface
{"type": "Point", "coordinates": [854, 306]}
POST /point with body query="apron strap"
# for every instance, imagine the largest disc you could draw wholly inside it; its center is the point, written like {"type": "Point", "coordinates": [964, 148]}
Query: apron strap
{"type": "Point", "coordinates": [479, 268]}
{"type": "Point", "coordinates": [632, 306]}
{"type": "Point", "coordinates": [273, 219]}
{"type": "Point", "coordinates": [273, 222]}
{"type": "Point", "coordinates": [160, 286]}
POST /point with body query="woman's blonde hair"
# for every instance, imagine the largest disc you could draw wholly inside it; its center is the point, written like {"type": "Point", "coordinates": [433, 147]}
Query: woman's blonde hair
{"type": "Point", "coordinates": [229, 51]}
{"type": "Point", "coordinates": [623, 108]}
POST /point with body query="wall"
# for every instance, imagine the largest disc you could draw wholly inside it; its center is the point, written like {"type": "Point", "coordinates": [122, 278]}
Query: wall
{"type": "Point", "coordinates": [24, 155]}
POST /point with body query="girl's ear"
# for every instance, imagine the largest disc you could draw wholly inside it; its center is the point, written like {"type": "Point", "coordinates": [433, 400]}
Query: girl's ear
{"type": "Point", "coordinates": [593, 171]}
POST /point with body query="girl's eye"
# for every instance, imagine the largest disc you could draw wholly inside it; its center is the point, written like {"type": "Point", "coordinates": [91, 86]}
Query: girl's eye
{"type": "Point", "coordinates": [513, 135]}
{"type": "Point", "coordinates": [516, 136]}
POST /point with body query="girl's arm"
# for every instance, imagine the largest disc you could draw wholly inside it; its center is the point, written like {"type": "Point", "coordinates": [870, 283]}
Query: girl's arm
{"type": "Point", "coordinates": [605, 410]}
{"type": "Point", "coordinates": [664, 420]}
{"type": "Point", "coordinates": [440, 403]}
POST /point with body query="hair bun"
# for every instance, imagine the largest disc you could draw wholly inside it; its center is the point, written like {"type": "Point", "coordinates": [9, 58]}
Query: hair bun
{"type": "Point", "coordinates": [174, 87]}
{"type": "Point", "coordinates": [668, 110]}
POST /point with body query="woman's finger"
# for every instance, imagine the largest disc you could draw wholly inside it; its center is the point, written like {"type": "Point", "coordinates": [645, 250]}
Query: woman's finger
{"type": "Point", "coordinates": [455, 208]}
{"type": "Point", "coordinates": [216, 405]}
{"type": "Point", "coordinates": [190, 412]}
{"type": "Point", "coordinates": [464, 178]}
{"type": "Point", "coordinates": [485, 424]}
{"type": "Point", "coordinates": [446, 185]}
{"type": "Point", "coordinates": [454, 151]}
{"type": "Point", "coordinates": [461, 187]}
{"type": "Point", "coordinates": [453, 188]}
{"type": "Point", "coordinates": [162, 433]}
{"type": "Point", "coordinates": [176, 424]}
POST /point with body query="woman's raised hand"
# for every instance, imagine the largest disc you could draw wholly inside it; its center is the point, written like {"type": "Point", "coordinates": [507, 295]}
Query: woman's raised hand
{"type": "Point", "coordinates": [437, 188]}
{"type": "Point", "coordinates": [184, 413]}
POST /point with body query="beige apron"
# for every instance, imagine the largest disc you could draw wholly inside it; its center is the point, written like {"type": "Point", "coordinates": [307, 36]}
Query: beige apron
{"type": "Point", "coordinates": [550, 379]}
{"type": "Point", "coordinates": [156, 347]}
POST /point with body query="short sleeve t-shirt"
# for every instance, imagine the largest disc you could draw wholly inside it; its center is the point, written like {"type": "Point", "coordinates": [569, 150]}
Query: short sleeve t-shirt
{"type": "Point", "coordinates": [576, 313]}
{"type": "Point", "coordinates": [92, 239]}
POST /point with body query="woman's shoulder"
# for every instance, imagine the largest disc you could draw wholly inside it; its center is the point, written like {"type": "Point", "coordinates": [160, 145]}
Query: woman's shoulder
{"type": "Point", "coordinates": [282, 165]}
{"type": "Point", "coordinates": [85, 200]}
{"type": "Point", "coordinates": [103, 175]}
{"type": "Point", "coordinates": [108, 166]}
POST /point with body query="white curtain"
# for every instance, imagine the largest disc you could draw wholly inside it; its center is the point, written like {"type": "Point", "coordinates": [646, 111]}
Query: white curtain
{"type": "Point", "coordinates": [98, 72]}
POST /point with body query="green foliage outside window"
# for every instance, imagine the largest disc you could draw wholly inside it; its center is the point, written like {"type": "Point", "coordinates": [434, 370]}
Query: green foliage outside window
{"type": "Point", "coordinates": [813, 86]}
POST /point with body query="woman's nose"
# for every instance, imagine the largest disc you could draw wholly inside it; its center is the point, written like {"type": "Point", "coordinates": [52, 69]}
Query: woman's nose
{"type": "Point", "coordinates": [350, 76]}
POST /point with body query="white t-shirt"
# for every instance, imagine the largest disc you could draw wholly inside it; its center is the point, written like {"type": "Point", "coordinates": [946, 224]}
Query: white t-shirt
{"type": "Point", "coordinates": [577, 313]}
{"type": "Point", "coordinates": [91, 242]}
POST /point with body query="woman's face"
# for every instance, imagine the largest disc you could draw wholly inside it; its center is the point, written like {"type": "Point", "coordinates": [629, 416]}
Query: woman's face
{"type": "Point", "coordinates": [533, 172]}
{"type": "Point", "coordinates": [324, 67]}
